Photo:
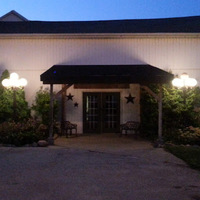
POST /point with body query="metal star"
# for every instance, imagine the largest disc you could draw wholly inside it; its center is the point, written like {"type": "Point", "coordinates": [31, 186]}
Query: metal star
{"type": "Point", "coordinates": [76, 104]}
{"type": "Point", "coordinates": [130, 99]}
{"type": "Point", "coordinates": [70, 97]}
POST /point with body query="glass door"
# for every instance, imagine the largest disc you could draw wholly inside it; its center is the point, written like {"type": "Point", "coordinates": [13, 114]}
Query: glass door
{"type": "Point", "coordinates": [91, 112]}
{"type": "Point", "coordinates": [101, 112]}
{"type": "Point", "coordinates": [111, 112]}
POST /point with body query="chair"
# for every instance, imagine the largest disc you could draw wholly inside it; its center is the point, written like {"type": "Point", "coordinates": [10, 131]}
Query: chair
{"type": "Point", "coordinates": [130, 126]}
{"type": "Point", "coordinates": [69, 127]}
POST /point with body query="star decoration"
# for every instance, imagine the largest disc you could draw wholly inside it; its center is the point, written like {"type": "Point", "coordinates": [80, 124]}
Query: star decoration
{"type": "Point", "coordinates": [130, 99]}
{"type": "Point", "coordinates": [70, 97]}
{"type": "Point", "coordinates": [76, 104]}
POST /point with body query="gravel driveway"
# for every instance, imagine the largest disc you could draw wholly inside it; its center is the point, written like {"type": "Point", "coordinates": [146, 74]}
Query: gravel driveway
{"type": "Point", "coordinates": [61, 173]}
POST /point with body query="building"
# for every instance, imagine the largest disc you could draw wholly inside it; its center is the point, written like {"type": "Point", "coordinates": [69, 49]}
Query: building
{"type": "Point", "coordinates": [149, 47]}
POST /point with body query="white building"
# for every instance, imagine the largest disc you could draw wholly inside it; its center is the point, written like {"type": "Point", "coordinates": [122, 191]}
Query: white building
{"type": "Point", "coordinates": [32, 47]}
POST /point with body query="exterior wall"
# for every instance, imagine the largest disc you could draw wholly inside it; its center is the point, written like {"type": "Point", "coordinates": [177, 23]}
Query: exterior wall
{"type": "Point", "coordinates": [30, 56]}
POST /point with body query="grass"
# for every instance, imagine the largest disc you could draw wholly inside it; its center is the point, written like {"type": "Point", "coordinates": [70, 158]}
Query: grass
{"type": "Point", "coordinates": [191, 155]}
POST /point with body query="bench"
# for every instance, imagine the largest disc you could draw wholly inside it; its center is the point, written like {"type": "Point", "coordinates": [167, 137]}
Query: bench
{"type": "Point", "coordinates": [130, 126]}
{"type": "Point", "coordinates": [69, 127]}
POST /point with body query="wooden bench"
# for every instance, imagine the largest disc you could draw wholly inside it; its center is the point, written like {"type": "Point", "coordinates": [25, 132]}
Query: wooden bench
{"type": "Point", "coordinates": [69, 127]}
{"type": "Point", "coordinates": [130, 126]}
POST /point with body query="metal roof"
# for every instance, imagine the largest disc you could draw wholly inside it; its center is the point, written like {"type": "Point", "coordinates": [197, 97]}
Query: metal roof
{"type": "Point", "coordinates": [164, 25]}
{"type": "Point", "coordinates": [113, 74]}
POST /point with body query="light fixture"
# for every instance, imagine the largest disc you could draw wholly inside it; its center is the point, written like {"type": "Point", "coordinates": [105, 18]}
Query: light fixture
{"type": "Point", "coordinates": [6, 82]}
{"type": "Point", "coordinates": [14, 81]}
{"type": "Point", "coordinates": [184, 81]}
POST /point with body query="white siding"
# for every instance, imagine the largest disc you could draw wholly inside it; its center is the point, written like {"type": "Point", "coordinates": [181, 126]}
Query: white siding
{"type": "Point", "coordinates": [32, 56]}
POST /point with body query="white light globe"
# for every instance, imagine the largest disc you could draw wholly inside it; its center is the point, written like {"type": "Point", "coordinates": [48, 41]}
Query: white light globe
{"type": "Point", "coordinates": [22, 82]}
{"type": "Point", "coordinates": [177, 82]}
{"type": "Point", "coordinates": [14, 76]}
{"type": "Point", "coordinates": [14, 83]}
{"type": "Point", "coordinates": [184, 76]}
{"type": "Point", "coordinates": [6, 82]}
{"type": "Point", "coordinates": [190, 82]}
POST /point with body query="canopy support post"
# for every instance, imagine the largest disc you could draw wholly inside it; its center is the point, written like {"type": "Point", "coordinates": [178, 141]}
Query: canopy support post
{"type": "Point", "coordinates": [51, 139]}
{"type": "Point", "coordinates": [63, 92]}
{"type": "Point", "coordinates": [63, 109]}
{"type": "Point", "coordinates": [158, 98]}
{"type": "Point", "coordinates": [160, 139]}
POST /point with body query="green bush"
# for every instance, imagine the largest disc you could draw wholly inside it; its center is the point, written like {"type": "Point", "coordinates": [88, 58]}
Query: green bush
{"type": "Point", "coordinates": [179, 107]}
{"type": "Point", "coordinates": [41, 106]}
{"type": "Point", "coordinates": [180, 110]}
{"type": "Point", "coordinates": [188, 135]}
{"type": "Point", "coordinates": [21, 133]}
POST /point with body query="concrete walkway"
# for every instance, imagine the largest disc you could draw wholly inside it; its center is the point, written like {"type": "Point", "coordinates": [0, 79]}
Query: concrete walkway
{"type": "Point", "coordinates": [107, 142]}
{"type": "Point", "coordinates": [93, 171]}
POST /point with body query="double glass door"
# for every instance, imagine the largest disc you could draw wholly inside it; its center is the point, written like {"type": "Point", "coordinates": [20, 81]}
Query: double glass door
{"type": "Point", "coordinates": [101, 112]}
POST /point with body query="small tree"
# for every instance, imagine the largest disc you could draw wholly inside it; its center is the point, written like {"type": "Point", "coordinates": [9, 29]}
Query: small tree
{"type": "Point", "coordinates": [42, 106]}
{"type": "Point", "coordinates": [179, 107]}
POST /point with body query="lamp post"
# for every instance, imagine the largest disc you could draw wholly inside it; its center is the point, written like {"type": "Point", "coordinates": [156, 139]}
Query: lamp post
{"type": "Point", "coordinates": [14, 83]}
{"type": "Point", "coordinates": [184, 82]}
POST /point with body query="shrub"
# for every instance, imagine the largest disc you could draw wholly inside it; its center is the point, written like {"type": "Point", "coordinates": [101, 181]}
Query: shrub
{"type": "Point", "coordinates": [188, 135]}
{"type": "Point", "coordinates": [42, 106]}
{"type": "Point", "coordinates": [179, 107]}
{"type": "Point", "coordinates": [180, 110]}
{"type": "Point", "coordinates": [21, 133]}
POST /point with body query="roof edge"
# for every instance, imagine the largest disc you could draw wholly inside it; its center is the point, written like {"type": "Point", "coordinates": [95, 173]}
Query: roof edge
{"type": "Point", "coordinates": [97, 35]}
{"type": "Point", "coordinates": [121, 20]}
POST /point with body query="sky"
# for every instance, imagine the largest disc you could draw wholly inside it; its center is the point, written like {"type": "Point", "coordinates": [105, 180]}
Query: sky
{"type": "Point", "coordinates": [84, 10]}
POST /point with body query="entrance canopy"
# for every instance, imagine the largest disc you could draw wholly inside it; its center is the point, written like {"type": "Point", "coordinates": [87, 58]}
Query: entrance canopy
{"type": "Point", "coordinates": [112, 74]}
{"type": "Point", "coordinates": [104, 74]}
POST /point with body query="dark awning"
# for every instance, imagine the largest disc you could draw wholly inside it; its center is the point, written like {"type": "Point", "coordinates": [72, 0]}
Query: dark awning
{"type": "Point", "coordinates": [113, 74]}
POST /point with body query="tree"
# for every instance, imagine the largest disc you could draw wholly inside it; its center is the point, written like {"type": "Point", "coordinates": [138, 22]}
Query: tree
{"type": "Point", "coordinates": [42, 106]}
